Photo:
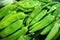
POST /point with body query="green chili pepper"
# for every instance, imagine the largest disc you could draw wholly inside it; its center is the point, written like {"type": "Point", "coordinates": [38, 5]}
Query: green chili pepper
{"type": "Point", "coordinates": [27, 3]}
{"type": "Point", "coordinates": [17, 34]}
{"type": "Point", "coordinates": [54, 30]}
{"type": "Point", "coordinates": [11, 19]}
{"type": "Point", "coordinates": [54, 7]}
{"type": "Point", "coordinates": [57, 35]}
{"type": "Point", "coordinates": [11, 28]}
{"type": "Point", "coordinates": [25, 10]}
{"type": "Point", "coordinates": [47, 29]}
{"type": "Point", "coordinates": [38, 17]}
{"type": "Point", "coordinates": [57, 11]}
{"type": "Point", "coordinates": [33, 14]}
{"type": "Point", "coordinates": [8, 15]}
{"type": "Point", "coordinates": [41, 24]}
{"type": "Point", "coordinates": [4, 11]}
{"type": "Point", "coordinates": [49, 4]}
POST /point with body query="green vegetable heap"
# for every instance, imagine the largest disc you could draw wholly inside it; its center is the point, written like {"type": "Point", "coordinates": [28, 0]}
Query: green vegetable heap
{"type": "Point", "coordinates": [30, 20]}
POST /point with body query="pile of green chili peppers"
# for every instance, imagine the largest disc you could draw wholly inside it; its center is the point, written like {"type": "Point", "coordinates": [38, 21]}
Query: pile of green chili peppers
{"type": "Point", "coordinates": [30, 20]}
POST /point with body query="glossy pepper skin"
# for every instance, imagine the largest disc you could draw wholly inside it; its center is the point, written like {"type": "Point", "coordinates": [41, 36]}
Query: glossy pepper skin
{"type": "Point", "coordinates": [57, 11]}
{"type": "Point", "coordinates": [41, 24]}
{"type": "Point", "coordinates": [47, 29]}
{"type": "Point", "coordinates": [38, 17]}
{"type": "Point", "coordinates": [27, 5]}
{"type": "Point", "coordinates": [49, 5]}
{"type": "Point", "coordinates": [11, 13]}
{"type": "Point", "coordinates": [11, 19]}
{"type": "Point", "coordinates": [11, 28]}
{"type": "Point", "coordinates": [33, 14]}
{"type": "Point", "coordinates": [54, 30]}
{"type": "Point", "coordinates": [54, 7]}
{"type": "Point", "coordinates": [15, 35]}
{"type": "Point", "coordinates": [4, 11]}
{"type": "Point", "coordinates": [57, 35]}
